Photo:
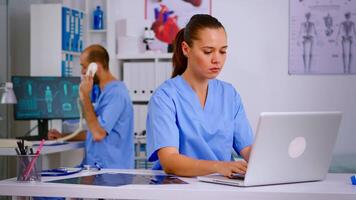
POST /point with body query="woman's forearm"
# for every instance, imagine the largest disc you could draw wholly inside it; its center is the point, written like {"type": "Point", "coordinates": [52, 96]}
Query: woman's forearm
{"type": "Point", "coordinates": [181, 165]}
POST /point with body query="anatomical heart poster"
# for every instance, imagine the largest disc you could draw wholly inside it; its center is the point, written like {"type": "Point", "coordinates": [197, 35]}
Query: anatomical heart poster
{"type": "Point", "coordinates": [167, 17]}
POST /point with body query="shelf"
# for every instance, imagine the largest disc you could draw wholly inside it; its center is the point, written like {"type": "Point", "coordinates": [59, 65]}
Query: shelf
{"type": "Point", "coordinates": [79, 10]}
{"type": "Point", "coordinates": [97, 31]}
{"type": "Point", "coordinates": [142, 56]}
{"type": "Point", "coordinates": [72, 53]}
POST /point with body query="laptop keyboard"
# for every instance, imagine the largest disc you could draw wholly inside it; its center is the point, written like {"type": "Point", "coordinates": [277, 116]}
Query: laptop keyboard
{"type": "Point", "coordinates": [238, 176]}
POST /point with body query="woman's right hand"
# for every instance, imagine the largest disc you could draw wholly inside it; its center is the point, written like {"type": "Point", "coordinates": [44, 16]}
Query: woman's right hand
{"type": "Point", "coordinates": [229, 168]}
{"type": "Point", "coordinates": [53, 134]}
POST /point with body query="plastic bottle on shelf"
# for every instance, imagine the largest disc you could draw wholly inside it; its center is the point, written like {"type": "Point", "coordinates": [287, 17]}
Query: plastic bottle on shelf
{"type": "Point", "coordinates": [98, 18]}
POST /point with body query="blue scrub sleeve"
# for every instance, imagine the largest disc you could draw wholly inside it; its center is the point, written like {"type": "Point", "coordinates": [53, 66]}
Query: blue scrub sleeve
{"type": "Point", "coordinates": [243, 135]}
{"type": "Point", "coordinates": [162, 130]}
{"type": "Point", "coordinates": [114, 106]}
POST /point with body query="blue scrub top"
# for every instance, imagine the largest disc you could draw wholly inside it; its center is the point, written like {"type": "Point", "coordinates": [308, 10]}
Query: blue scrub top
{"type": "Point", "coordinates": [115, 114]}
{"type": "Point", "coordinates": [176, 119]}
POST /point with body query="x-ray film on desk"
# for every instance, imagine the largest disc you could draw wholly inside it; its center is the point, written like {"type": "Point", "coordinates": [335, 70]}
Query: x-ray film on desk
{"type": "Point", "coordinates": [118, 179]}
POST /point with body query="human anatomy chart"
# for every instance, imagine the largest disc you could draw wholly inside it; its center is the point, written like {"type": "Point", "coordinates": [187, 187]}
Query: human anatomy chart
{"type": "Point", "coordinates": [322, 37]}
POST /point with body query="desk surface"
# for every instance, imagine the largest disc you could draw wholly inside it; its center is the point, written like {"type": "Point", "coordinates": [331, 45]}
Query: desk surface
{"type": "Point", "coordinates": [46, 149]}
{"type": "Point", "coordinates": [336, 186]}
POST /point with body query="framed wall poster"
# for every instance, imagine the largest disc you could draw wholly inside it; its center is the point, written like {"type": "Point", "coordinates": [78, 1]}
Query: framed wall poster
{"type": "Point", "coordinates": [322, 37]}
{"type": "Point", "coordinates": [167, 17]}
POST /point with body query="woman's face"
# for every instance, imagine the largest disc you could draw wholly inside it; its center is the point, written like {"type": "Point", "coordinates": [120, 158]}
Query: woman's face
{"type": "Point", "coordinates": [206, 56]}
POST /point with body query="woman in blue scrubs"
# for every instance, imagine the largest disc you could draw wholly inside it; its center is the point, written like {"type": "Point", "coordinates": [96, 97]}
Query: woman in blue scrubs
{"type": "Point", "coordinates": [194, 120]}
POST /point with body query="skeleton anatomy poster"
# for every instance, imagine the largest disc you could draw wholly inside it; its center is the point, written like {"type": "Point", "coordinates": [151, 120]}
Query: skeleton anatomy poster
{"type": "Point", "coordinates": [322, 37]}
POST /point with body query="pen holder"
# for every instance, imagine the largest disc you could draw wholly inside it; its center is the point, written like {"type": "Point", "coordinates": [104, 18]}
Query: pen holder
{"type": "Point", "coordinates": [29, 168]}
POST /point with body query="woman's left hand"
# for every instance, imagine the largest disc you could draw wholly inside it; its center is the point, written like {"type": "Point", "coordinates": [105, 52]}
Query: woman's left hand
{"type": "Point", "coordinates": [231, 167]}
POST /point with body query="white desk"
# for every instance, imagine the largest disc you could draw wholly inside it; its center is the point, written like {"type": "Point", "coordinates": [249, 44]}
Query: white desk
{"type": "Point", "coordinates": [336, 186]}
{"type": "Point", "coordinates": [46, 149]}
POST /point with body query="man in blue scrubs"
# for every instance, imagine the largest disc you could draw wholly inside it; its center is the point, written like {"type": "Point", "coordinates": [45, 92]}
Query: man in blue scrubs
{"type": "Point", "coordinates": [194, 120]}
{"type": "Point", "coordinates": [109, 139]}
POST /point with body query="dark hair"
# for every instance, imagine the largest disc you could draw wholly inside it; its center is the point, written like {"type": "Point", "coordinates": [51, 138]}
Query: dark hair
{"type": "Point", "coordinates": [97, 53]}
{"type": "Point", "coordinates": [188, 34]}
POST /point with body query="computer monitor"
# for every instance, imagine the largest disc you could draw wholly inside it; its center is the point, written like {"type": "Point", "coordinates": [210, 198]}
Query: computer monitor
{"type": "Point", "coordinates": [45, 98]}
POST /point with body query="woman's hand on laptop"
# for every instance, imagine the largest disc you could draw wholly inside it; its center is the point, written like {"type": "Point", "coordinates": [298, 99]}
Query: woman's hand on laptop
{"type": "Point", "coordinates": [229, 168]}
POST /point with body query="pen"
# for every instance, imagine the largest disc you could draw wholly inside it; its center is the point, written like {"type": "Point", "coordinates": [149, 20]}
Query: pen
{"type": "Point", "coordinates": [22, 142]}
{"type": "Point", "coordinates": [17, 151]}
{"type": "Point", "coordinates": [26, 150]}
{"type": "Point", "coordinates": [19, 145]}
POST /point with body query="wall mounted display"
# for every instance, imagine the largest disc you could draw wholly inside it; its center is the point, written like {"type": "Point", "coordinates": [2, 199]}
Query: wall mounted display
{"type": "Point", "coordinates": [167, 17]}
{"type": "Point", "coordinates": [322, 37]}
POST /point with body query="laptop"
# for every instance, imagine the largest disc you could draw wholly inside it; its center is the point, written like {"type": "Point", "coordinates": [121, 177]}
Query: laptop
{"type": "Point", "coordinates": [289, 147]}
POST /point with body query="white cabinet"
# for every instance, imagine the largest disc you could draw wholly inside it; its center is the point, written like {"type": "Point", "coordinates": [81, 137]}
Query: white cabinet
{"type": "Point", "coordinates": [142, 74]}
{"type": "Point", "coordinates": [48, 28]}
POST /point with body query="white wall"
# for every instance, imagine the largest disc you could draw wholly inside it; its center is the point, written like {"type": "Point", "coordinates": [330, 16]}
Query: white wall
{"type": "Point", "coordinates": [257, 65]}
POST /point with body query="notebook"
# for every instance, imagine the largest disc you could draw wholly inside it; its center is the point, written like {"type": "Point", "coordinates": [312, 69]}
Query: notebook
{"type": "Point", "coordinates": [289, 147]}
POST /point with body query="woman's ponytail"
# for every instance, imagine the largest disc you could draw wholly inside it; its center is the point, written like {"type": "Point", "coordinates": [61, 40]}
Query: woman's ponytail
{"type": "Point", "coordinates": [179, 60]}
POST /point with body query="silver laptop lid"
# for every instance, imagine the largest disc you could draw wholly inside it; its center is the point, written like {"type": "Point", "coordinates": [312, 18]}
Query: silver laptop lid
{"type": "Point", "coordinates": [292, 147]}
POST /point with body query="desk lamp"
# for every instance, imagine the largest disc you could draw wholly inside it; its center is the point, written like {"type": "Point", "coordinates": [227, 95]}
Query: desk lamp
{"type": "Point", "coordinates": [8, 97]}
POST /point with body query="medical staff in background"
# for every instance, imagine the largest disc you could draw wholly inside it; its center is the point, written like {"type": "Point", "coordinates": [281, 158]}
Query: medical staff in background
{"type": "Point", "coordinates": [109, 141]}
